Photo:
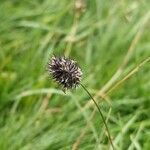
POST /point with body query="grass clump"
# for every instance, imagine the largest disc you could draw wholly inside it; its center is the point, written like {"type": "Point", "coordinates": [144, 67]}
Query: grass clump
{"type": "Point", "coordinates": [108, 39]}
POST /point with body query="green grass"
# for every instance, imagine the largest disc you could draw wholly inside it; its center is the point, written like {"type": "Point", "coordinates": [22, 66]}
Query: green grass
{"type": "Point", "coordinates": [103, 37]}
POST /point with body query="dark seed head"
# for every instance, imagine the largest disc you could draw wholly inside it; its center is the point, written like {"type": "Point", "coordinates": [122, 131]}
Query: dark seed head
{"type": "Point", "coordinates": [65, 71]}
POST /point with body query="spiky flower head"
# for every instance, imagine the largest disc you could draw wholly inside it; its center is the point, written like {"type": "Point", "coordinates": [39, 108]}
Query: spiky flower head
{"type": "Point", "coordinates": [65, 71]}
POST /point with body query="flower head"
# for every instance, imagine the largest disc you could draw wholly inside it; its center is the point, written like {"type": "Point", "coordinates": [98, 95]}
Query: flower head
{"type": "Point", "coordinates": [65, 72]}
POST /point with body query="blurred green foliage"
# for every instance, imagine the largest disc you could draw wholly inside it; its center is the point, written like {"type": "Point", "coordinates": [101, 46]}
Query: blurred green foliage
{"type": "Point", "coordinates": [101, 35]}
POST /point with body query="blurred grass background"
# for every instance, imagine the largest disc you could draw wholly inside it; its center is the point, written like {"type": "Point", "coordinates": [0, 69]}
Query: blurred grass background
{"type": "Point", "coordinates": [109, 39]}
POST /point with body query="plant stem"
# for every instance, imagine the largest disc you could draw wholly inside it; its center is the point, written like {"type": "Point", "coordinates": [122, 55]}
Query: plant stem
{"type": "Point", "coordinates": [101, 114]}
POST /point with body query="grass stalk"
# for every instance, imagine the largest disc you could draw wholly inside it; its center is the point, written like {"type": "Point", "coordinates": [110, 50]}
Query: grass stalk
{"type": "Point", "coordinates": [101, 114]}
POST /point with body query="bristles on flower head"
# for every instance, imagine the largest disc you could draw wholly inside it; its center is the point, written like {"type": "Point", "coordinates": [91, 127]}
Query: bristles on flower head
{"type": "Point", "coordinates": [65, 71]}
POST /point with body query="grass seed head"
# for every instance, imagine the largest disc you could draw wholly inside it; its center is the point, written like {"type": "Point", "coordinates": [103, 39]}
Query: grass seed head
{"type": "Point", "coordinates": [65, 71]}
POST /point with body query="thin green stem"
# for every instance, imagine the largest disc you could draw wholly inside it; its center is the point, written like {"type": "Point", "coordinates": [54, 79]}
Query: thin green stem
{"type": "Point", "coordinates": [101, 114]}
